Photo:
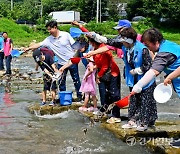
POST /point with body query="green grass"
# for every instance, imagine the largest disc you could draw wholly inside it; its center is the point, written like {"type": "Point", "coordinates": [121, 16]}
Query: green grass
{"type": "Point", "coordinates": [20, 34]}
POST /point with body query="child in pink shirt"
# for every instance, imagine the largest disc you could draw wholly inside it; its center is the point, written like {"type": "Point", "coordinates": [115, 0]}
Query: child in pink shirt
{"type": "Point", "coordinates": [88, 86]}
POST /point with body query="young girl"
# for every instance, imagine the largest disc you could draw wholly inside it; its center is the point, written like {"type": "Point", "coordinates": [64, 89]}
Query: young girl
{"type": "Point", "coordinates": [88, 86]}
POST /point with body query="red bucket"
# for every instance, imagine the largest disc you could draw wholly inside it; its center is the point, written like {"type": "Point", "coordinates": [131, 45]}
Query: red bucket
{"type": "Point", "coordinates": [75, 60]}
{"type": "Point", "coordinates": [123, 102]}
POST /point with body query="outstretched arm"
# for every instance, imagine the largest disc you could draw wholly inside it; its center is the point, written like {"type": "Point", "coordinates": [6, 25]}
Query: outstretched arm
{"type": "Point", "coordinates": [35, 46]}
{"type": "Point", "coordinates": [99, 50]}
{"type": "Point", "coordinates": [172, 76]}
{"type": "Point", "coordinates": [147, 78]}
{"type": "Point", "coordinates": [68, 64]}
{"type": "Point", "coordinates": [80, 26]}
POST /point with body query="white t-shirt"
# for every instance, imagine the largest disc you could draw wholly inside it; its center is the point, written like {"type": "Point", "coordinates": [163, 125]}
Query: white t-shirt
{"type": "Point", "coordinates": [61, 46]}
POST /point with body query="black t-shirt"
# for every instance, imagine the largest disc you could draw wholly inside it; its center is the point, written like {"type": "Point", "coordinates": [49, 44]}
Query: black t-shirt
{"type": "Point", "coordinates": [47, 63]}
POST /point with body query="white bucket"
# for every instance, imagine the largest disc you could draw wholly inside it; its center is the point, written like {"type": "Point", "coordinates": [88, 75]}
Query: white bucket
{"type": "Point", "coordinates": [162, 93]}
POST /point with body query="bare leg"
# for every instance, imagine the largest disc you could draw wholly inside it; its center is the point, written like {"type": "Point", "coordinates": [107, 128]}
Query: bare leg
{"type": "Point", "coordinates": [94, 101]}
{"type": "Point", "coordinates": [44, 95]}
{"type": "Point", "coordinates": [53, 93]}
{"type": "Point", "coordinates": [86, 99]}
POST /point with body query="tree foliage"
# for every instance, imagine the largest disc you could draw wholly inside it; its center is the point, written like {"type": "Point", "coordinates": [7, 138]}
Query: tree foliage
{"type": "Point", "coordinates": [156, 9]}
{"type": "Point", "coordinates": [153, 9]}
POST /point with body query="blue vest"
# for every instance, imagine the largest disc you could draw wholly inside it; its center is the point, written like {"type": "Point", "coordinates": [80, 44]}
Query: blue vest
{"type": "Point", "coordinates": [137, 59]}
{"type": "Point", "coordinates": [171, 47]}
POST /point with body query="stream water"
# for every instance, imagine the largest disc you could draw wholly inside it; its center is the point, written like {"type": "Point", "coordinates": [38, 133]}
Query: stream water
{"type": "Point", "coordinates": [70, 132]}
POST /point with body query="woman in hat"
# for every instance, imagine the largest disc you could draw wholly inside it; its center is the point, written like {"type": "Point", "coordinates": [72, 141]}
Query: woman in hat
{"type": "Point", "coordinates": [142, 110]}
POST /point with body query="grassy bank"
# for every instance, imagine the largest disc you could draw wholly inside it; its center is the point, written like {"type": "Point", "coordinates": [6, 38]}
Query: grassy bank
{"type": "Point", "coordinates": [22, 35]}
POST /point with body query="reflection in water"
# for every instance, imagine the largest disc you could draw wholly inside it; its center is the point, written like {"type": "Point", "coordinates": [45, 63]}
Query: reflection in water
{"type": "Point", "coordinates": [69, 132]}
{"type": "Point", "coordinates": [6, 102]}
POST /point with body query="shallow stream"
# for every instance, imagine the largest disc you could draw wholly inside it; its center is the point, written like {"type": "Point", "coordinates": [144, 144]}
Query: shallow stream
{"type": "Point", "coordinates": [70, 132]}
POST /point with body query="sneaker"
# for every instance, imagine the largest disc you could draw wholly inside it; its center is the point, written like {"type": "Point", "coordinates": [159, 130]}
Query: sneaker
{"type": "Point", "coordinates": [129, 125]}
{"type": "Point", "coordinates": [51, 103]}
{"type": "Point", "coordinates": [82, 108]}
{"type": "Point", "coordinates": [98, 113]}
{"type": "Point", "coordinates": [8, 74]}
{"type": "Point", "coordinates": [90, 109]}
{"type": "Point", "coordinates": [43, 103]}
{"type": "Point", "coordinates": [95, 109]}
{"type": "Point", "coordinates": [142, 128]}
{"type": "Point", "coordinates": [113, 120]}
{"type": "Point", "coordinates": [175, 144]}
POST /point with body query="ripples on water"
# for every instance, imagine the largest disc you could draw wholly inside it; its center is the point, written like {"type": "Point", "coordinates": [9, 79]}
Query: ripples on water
{"type": "Point", "coordinates": [22, 132]}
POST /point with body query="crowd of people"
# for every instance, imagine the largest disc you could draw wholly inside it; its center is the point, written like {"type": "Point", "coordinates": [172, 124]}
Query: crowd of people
{"type": "Point", "coordinates": [145, 57]}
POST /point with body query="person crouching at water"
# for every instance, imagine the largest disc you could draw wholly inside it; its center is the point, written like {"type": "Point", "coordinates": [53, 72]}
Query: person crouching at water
{"type": "Point", "coordinates": [138, 61]}
{"type": "Point", "coordinates": [88, 86]}
{"type": "Point", "coordinates": [110, 87]}
{"type": "Point", "coordinates": [46, 63]}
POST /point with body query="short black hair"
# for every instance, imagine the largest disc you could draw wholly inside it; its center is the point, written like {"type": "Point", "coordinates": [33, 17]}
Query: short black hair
{"type": "Point", "coordinates": [152, 35]}
{"type": "Point", "coordinates": [4, 33]}
{"type": "Point", "coordinates": [51, 24]}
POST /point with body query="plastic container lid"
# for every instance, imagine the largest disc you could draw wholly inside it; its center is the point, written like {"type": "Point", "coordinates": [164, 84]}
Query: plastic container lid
{"type": "Point", "coordinates": [162, 93]}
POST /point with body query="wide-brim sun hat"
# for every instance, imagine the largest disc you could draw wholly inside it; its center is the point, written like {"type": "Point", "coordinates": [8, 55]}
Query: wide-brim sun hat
{"type": "Point", "coordinates": [123, 23]}
{"type": "Point", "coordinates": [162, 93]}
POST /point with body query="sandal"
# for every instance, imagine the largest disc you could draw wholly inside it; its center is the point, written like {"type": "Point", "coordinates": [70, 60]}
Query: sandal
{"type": "Point", "coordinates": [113, 120]}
